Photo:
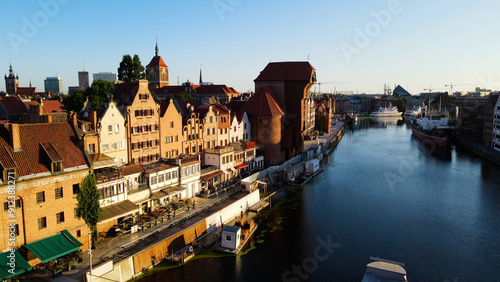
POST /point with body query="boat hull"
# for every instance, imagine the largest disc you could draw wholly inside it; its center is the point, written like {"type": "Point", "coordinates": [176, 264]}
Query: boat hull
{"type": "Point", "coordinates": [428, 137]}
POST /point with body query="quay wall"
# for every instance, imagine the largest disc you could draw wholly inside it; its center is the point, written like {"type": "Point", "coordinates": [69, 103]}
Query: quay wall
{"type": "Point", "coordinates": [130, 267]}
{"type": "Point", "coordinates": [478, 149]}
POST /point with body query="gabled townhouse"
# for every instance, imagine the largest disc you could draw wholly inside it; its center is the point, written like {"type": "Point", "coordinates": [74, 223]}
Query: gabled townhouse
{"type": "Point", "coordinates": [112, 132]}
{"type": "Point", "coordinates": [142, 115]}
{"type": "Point", "coordinates": [171, 136]}
{"type": "Point", "coordinates": [210, 124]}
{"type": "Point", "coordinates": [496, 127]}
{"type": "Point", "coordinates": [224, 120]}
{"type": "Point", "coordinates": [42, 166]}
{"type": "Point", "coordinates": [192, 133]}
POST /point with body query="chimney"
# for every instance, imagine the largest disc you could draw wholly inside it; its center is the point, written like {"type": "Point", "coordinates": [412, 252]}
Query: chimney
{"type": "Point", "coordinates": [73, 119]}
{"type": "Point", "coordinates": [93, 119]}
{"type": "Point", "coordinates": [143, 84]}
{"type": "Point", "coordinates": [14, 136]}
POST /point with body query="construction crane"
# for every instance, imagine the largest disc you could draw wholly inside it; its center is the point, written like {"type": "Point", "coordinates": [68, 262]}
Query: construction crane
{"type": "Point", "coordinates": [451, 86]}
{"type": "Point", "coordinates": [430, 89]}
{"type": "Point", "coordinates": [329, 82]}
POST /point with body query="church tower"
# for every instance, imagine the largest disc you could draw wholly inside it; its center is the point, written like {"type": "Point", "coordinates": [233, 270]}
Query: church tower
{"type": "Point", "coordinates": [157, 72]}
{"type": "Point", "coordinates": [11, 82]}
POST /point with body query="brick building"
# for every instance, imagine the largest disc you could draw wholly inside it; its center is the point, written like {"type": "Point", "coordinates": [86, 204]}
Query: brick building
{"type": "Point", "coordinates": [291, 83]}
{"type": "Point", "coordinates": [46, 166]}
{"type": "Point", "coordinates": [157, 72]}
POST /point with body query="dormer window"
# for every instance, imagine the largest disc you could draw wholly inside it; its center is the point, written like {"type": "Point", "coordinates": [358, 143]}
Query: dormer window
{"type": "Point", "coordinates": [56, 166]}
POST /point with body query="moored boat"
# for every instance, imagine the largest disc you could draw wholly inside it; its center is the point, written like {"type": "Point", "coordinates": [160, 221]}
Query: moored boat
{"type": "Point", "coordinates": [384, 270]}
{"type": "Point", "coordinates": [386, 112]}
{"type": "Point", "coordinates": [432, 129]}
{"type": "Point", "coordinates": [234, 238]}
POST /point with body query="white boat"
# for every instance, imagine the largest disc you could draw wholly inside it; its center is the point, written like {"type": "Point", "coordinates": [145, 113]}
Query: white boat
{"type": "Point", "coordinates": [386, 112]}
{"type": "Point", "coordinates": [415, 112]}
{"type": "Point", "coordinates": [384, 270]}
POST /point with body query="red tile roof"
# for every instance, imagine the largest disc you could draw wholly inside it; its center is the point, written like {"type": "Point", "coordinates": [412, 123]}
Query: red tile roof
{"type": "Point", "coordinates": [156, 61]}
{"type": "Point", "coordinates": [53, 106]}
{"type": "Point", "coordinates": [32, 158]}
{"type": "Point", "coordinates": [26, 91]}
{"type": "Point", "coordinates": [287, 71]}
{"type": "Point", "coordinates": [13, 105]}
{"type": "Point", "coordinates": [223, 110]}
{"type": "Point", "coordinates": [263, 103]}
{"type": "Point", "coordinates": [51, 151]}
{"type": "Point", "coordinates": [215, 89]}
{"type": "Point", "coordinates": [6, 159]}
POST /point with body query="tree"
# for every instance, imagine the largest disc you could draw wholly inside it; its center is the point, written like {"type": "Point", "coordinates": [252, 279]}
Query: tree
{"type": "Point", "coordinates": [401, 106]}
{"type": "Point", "coordinates": [98, 92]}
{"type": "Point", "coordinates": [184, 96]}
{"type": "Point", "coordinates": [130, 69]}
{"type": "Point", "coordinates": [88, 206]}
{"type": "Point", "coordinates": [74, 101]}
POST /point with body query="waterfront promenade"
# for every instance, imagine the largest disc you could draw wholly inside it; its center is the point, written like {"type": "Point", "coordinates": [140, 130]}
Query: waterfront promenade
{"type": "Point", "coordinates": [117, 248]}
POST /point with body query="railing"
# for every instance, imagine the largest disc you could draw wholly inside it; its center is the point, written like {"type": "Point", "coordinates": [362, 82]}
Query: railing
{"type": "Point", "coordinates": [220, 151]}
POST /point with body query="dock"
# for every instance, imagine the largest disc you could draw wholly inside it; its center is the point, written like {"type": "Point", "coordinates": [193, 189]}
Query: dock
{"type": "Point", "coordinates": [258, 207]}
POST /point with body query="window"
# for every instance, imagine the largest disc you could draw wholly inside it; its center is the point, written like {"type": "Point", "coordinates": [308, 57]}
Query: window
{"type": "Point", "coordinates": [122, 145]}
{"type": "Point", "coordinates": [213, 130]}
{"type": "Point", "coordinates": [161, 178]}
{"type": "Point", "coordinates": [76, 212]}
{"type": "Point", "coordinates": [14, 229]}
{"type": "Point", "coordinates": [40, 197]}
{"type": "Point", "coordinates": [59, 193]}
{"type": "Point", "coordinates": [114, 146]}
{"type": "Point", "coordinates": [110, 128]}
{"type": "Point", "coordinates": [91, 148]}
{"type": "Point", "coordinates": [228, 238]}
{"type": "Point", "coordinates": [105, 147]}
{"type": "Point", "coordinates": [208, 131]}
{"type": "Point", "coordinates": [60, 217]}
{"type": "Point", "coordinates": [6, 205]}
{"type": "Point", "coordinates": [117, 128]}
{"type": "Point", "coordinates": [176, 138]}
{"type": "Point", "coordinates": [208, 145]}
{"type": "Point", "coordinates": [42, 223]}
{"type": "Point", "coordinates": [211, 119]}
{"type": "Point", "coordinates": [168, 139]}
{"type": "Point", "coordinates": [76, 188]}
{"type": "Point", "coordinates": [78, 233]}
{"type": "Point", "coordinates": [154, 180]}
{"type": "Point", "coordinates": [171, 124]}
{"type": "Point", "coordinates": [174, 174]}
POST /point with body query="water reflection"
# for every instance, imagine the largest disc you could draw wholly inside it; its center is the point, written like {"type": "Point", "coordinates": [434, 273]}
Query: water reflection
{"type": "Point", "coordinates": [386, 121]}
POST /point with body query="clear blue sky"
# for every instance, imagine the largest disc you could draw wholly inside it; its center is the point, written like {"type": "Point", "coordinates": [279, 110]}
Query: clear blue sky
{"type": "Point", "coordinates": [423, 44]}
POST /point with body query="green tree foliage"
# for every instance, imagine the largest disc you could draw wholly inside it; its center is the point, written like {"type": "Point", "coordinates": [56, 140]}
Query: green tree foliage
{"type": "Point", "coordinates": [74, 101]}
{"type": "Point", "coordinates": [88, 206]}
{"type": "Point", "coordinates": [401, 106]}
{"type": "Point", "coordinates": [130, 69]}
{"type": "Point", "coordinates": [184, 96]}
{"type": "Point", "coordinates": [98, 92]}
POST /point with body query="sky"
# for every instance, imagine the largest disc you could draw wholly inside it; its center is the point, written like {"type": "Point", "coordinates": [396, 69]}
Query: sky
{"type": "Point", "coordinates": [354, 45]}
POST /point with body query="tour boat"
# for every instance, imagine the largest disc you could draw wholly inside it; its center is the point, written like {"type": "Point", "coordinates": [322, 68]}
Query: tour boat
{"type": "Point", "coordinates": [386, 112]}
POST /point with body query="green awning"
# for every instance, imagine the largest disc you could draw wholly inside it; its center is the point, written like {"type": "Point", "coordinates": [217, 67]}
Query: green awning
{"type": "Point", "coordinates": [53, 247]}
{"type": "Point", "coordinates": [12, 264]}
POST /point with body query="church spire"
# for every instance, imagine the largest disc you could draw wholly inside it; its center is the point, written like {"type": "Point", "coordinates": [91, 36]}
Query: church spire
{"type": "Point", "coordinates": [156, 48]}
{"type": "Point", "coordinates": [11, 72]}
{"type": "Point", "coordinates": [201, 79]}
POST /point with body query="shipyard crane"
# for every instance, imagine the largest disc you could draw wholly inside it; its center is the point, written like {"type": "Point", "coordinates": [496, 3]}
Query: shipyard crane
{"type": "Point", "coordinates": [430, 89]}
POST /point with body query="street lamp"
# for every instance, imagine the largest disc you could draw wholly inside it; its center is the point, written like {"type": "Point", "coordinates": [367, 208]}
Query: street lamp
{"type": "Point", "coordinates": [90, 254]}
{"type": "Point", "coordinates": [292, 179]}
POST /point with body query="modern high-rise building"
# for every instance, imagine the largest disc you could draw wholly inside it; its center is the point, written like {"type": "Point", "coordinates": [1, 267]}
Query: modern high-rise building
{"type": "Point", "coordinates": [83, 79]}
{"type": "Point", "coordinates": [54, 85]}
{"type": "Point", "coordinates": [105, 76]}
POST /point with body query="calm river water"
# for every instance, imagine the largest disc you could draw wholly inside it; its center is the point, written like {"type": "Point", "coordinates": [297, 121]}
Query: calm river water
{"type": "Point", "coordinates": [382, 194]}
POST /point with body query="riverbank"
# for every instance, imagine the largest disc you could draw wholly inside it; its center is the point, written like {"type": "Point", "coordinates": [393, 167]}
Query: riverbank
{"type": "Point", "coordinates": [477, 148]}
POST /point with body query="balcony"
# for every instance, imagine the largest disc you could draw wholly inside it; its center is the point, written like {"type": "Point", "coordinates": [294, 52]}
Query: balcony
{"type": "Point", "coordinates": [107, 174]}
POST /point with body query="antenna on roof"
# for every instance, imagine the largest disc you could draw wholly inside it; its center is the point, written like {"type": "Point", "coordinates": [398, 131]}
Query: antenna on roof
{"type": "Point", "coordinates": [308, 58]}
{"type": "Point", "coordinates": [83, 66]}
{"type": "Point", "coordinates": [201, 79]}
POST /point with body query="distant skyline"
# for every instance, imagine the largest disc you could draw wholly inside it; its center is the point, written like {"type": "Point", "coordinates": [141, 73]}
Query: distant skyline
{"type": "Point", "coordinates": [354, 46]}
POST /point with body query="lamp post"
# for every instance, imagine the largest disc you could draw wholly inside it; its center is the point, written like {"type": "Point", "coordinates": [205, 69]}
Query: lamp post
{"type": "Point", "coordinates": [292, 179]}
{"type": "Point", "coordinates": [90, 254]}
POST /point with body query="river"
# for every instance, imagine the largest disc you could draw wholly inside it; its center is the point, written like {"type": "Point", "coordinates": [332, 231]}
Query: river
{"type": "Point", "coordinates": [381, 194]}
